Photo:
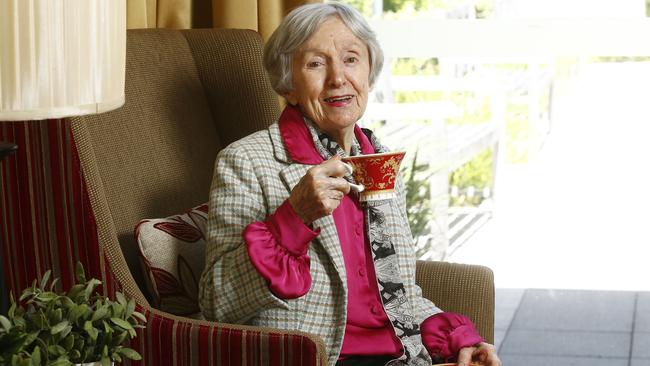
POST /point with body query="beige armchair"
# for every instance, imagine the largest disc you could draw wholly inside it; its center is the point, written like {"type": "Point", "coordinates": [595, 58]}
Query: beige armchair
{"type": "Point", "coordinates": [189, 94]}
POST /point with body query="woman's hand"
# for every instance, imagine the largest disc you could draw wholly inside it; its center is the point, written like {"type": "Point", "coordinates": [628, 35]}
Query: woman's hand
{"type": "Point", "coordinates": [484, 353]}
{"type": "Point", "coordinates": [320, 190]}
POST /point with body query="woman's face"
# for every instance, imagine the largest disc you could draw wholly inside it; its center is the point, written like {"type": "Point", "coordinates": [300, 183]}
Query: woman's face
{"type": "Point", "coordinates": [330, 78]}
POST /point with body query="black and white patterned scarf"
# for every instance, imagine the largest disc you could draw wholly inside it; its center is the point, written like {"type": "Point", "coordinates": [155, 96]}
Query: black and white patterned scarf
{"type": "Point", "coordinates": [391, 286]}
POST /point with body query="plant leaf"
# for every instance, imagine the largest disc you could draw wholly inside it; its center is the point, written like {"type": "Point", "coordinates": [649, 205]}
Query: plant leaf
{"type": "Point", "coordinates": [80, 273]}
{"type": "Point", "coordinates": [75, 355]}
{"type": "Point", "coordinates": [117, 310]}
{"type": "Point", "coordinates": [6, 324]}
{"type": "Point", "coordinates": [122, 323]}
{"type": "Point", "coordinates": [26, 293]}
{"type": "Point", "coordinates": [100, 313]}
{"type": "Point", "coordinates": [40, 321]}
{"type": "Point", "coordinates": [92, 332]}
{"type": "Point", "coordinates": [12, 309]}
{"type": "Point", "coordinates": [45, 279]}
{"type": "Point", "coordinates": [56, 315]}
{"type": "Point", "coordinates": [140, 316]}
{"type": "Point", "coordinates": [119, 339]}
{"type": "Point", "coordinates": [130, 354]}
{"type": "Point", "coordinates": [120, 298]}
{"type": "Point", "coordinates": [55, 350]}
{"type": "Point", "coordinates": [116, 357]}
{"type": "Point", "coordinates": [59, 327]}
{"type": "Point", "coordinates": [36, 356]}
{"type": "Point", "coordinates": [74, 291]}
{"type": "Point", "coordinates": [66, 302]}
{"type": "Point", "coordinates": [46, 296]}
{"type": "Point", "coordinates": [68, 342]}
{"type": "Point", "coordinates": [130, 308]}
{"type": "Point", "coordinates": [65, 332]}
{"type": "Point", "coordinates": [60, 362]}
{"type": "Point", "coordinates": [90, 287]}
{"type": "Point", "coordinates": [106, 361]}
{"type": "Point", "coordinates": [53, 284]}
{"type": "Point", "coordinates": [31, 337]}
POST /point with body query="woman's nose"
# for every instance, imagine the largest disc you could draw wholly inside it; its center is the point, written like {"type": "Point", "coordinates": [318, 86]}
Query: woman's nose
{"type": "Point", "coordinates": [336, 77]}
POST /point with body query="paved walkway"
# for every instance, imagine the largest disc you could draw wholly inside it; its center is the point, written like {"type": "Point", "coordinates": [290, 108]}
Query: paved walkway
{"type": "Point", "coordinates": [573, 327]}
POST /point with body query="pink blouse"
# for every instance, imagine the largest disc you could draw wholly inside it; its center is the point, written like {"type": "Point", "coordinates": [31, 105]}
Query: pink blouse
{"type": "Point", "coordinates": [278, 250]}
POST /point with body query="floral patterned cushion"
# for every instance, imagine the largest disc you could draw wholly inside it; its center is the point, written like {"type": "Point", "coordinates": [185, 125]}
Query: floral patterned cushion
{"type": "Point", "coordinates": [172, 253]}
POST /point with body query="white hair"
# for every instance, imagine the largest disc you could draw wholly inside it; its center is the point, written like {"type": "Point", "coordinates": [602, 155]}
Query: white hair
{"type": "Point", "coordinates": [299, 25]}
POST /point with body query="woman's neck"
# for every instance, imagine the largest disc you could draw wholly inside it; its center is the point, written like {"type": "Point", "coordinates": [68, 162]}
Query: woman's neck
{"type": "Point", "coordinates": [343, 138]}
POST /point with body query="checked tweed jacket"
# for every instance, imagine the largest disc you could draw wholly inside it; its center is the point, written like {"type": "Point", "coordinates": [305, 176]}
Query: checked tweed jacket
{"type": "Point", "coordinates": [252, 177]}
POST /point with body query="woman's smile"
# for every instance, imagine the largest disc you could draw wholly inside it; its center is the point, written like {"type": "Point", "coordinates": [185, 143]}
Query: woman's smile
{"type": "Point", "coordinates": [339, 100]}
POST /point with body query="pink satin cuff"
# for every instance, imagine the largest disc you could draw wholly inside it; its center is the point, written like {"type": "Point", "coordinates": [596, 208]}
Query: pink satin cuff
{"type": "Point", "coordinates": [278, 250]}
{"type": "Point", "coordinates": [444, 334]}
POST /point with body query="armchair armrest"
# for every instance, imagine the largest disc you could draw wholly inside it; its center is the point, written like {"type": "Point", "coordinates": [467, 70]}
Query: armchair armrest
{"type": "Point", "coordinates": [460, 288]}
{"type": "Point", "coordinates": [173, 340]}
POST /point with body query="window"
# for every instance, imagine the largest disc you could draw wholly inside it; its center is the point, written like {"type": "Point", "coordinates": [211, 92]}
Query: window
{"type": "Point", "coordinates": [531, 70]}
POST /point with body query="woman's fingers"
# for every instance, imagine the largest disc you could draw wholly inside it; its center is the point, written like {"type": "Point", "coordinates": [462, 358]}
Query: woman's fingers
{"type": "Point", "coordinates": [486, 354]}
{"type": "Point", "coordinates": [333, 167]}
{"type": "Point", "coordinates": [465, 356]}
{"type": "Point", "coordinates": [320, 190]}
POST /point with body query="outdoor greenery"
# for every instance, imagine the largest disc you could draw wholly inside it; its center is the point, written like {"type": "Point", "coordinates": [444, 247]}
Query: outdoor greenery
{"type": "Point", "coordinates": [45, 327]}
{"type": "Point", "coordinates": [414, 66]}
{"type": "Point", "coordinates": [418, 196]}
{"type": "Point", "coordinates": [484, 9]}
{"type": "Point", "coordinates": [476, 174]}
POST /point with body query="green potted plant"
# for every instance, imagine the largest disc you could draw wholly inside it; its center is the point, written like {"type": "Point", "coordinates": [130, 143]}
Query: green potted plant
{"type": "Point", "coordinates": [78, 327]}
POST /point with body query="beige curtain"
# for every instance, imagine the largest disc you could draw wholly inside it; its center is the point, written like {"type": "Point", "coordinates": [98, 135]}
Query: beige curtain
{"type": "Point", "coordinates": [175, 14]}
{"type": "Point", "coordinates": [261, 15]}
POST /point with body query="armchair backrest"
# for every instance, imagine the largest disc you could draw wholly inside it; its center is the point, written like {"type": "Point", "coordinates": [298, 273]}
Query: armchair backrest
{"type": "Point", "coordinates": [188, 94]}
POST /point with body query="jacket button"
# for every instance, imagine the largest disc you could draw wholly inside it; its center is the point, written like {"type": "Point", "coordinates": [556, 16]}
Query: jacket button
{"type": "Point", "coordinates": [358, 230]}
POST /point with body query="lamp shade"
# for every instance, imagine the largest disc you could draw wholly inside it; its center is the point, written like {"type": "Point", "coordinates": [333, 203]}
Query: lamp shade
{"type": "Point", "coordinates": [61, 58]}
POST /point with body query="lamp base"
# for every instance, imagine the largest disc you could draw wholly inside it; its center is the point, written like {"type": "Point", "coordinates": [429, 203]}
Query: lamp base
{"type": "Point", "coordinates": [7, 149]}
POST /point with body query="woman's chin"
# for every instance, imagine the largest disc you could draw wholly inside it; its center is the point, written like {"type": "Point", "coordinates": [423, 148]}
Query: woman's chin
{"type": "Point", "coordinates": [343, 118]}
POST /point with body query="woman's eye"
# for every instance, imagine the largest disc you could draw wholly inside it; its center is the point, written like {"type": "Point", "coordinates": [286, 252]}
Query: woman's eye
{"type": "Point", "coordinates": [313, 64]}
{"type": "Point", "coordinates": [351, 60]}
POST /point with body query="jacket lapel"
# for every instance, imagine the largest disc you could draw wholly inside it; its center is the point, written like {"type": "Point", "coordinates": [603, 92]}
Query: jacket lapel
{"type": "Point", "coordinates": [290, 176]}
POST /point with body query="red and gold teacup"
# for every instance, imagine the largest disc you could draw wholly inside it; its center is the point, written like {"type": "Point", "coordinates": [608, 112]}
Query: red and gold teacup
{"type": "Point", "coordinates": [376, 173]}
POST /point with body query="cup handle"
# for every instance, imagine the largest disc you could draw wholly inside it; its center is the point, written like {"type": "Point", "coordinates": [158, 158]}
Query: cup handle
{"type": "Point", "coordinates": [356, 187]}
{"type": "Point", "coordinates": [348, 167]}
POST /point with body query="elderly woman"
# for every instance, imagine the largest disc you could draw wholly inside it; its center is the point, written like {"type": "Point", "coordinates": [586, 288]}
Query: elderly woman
{"type": "Point", "coordinates": [290, 245]}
